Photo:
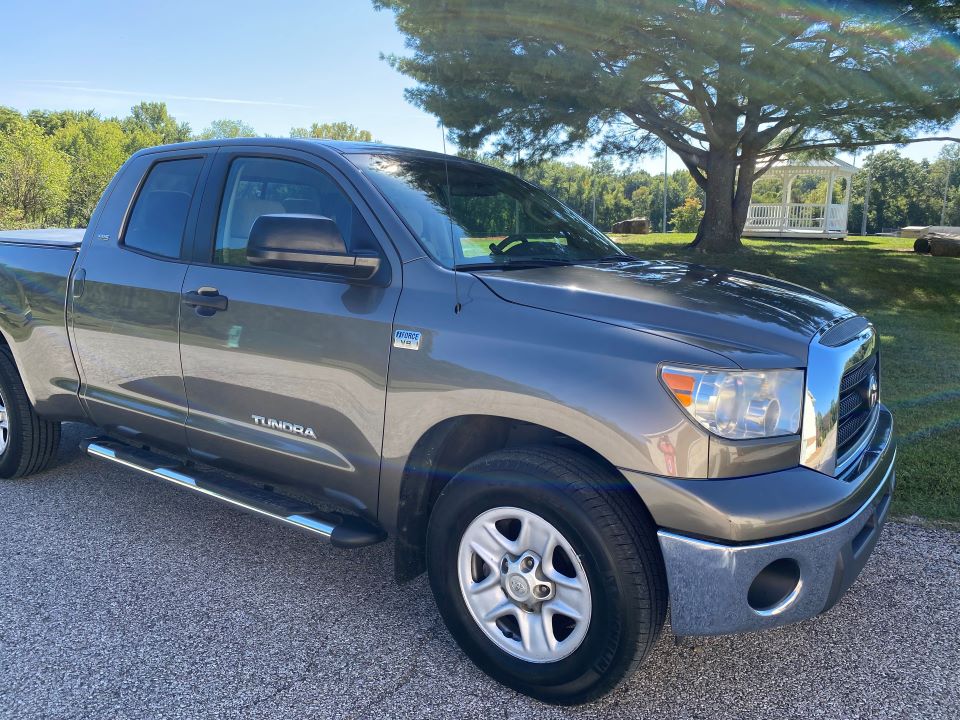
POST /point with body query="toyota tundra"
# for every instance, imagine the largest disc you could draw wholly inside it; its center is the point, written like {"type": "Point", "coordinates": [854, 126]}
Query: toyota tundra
{"type": "Point", "coordinates": [366, 342]}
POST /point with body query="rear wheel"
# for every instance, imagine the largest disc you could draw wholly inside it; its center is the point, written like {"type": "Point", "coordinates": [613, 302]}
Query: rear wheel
{"type": "Point", "coordinates": [546, 571]}
{"type": "Point", "coordinates": [28, 444]}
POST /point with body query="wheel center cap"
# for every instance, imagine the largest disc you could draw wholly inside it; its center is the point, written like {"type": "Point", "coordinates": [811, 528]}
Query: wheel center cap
{"type": "Point", "coordinates": [523, 582]}
{"type": "Point", "coordinates": [518, 588]}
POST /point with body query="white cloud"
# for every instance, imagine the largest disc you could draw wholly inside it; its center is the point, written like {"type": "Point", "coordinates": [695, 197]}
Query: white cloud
{"type": "Point", "coordinates": [78, 86]}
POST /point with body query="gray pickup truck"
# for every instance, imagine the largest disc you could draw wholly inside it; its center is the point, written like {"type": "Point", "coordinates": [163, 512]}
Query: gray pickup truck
{"type": "Point", "coordinates": [364, 341]}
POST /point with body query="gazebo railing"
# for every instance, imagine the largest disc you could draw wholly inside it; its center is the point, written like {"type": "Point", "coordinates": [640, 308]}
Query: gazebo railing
{"type": "Point", "coordinates": [837, 218]}
{"type": "Point", "coordinates": [797, 216]}
{"type": "Point", "coordinates": [764, 217]}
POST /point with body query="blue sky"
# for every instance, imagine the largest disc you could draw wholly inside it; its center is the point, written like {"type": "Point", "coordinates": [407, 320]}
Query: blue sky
{"type": "Point", "coordinates": [272, 65]}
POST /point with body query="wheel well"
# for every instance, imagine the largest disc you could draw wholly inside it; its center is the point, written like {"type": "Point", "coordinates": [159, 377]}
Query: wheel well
{"type": "Point", "coordinates": [444, 451]}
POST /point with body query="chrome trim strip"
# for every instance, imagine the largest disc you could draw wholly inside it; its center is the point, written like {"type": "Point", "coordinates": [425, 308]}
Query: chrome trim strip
{"type": "Point", "coordinates": [317, 526]}
{"type": "Point", "coordinates": [825, 369]}
{"type": "Point", "coordinates": [178, 478]}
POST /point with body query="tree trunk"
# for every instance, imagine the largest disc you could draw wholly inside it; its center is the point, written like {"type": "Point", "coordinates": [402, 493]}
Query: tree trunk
{"type": "Point", "coordinates": [944, 246]}
{"type": "Point", "coordinates": [726, 211]}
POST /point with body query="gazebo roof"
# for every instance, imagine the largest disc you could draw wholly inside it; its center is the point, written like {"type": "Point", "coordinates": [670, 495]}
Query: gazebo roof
{"type": "Point", "coordinates": [791, 166]}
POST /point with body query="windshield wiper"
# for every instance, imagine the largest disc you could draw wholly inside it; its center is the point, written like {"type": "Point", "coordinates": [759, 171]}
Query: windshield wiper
{"type": "Point", "coordinates": [519, 264]}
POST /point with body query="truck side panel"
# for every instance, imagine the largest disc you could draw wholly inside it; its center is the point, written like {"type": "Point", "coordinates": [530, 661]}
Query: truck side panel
{"type": "Point", "coordinates": [33, 292]}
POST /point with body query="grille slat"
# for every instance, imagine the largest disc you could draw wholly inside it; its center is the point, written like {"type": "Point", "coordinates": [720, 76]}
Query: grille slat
{"type": "Point", "coordinates": [857, 374]}
{"type": "Point", "coordinates": [850, 429]}
{"type": "Point", "coordinates": [850, 404]}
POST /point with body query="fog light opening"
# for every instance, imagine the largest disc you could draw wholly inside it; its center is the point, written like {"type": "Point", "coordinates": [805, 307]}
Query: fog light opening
{"type": "Point", "coordinates": [775, 587]}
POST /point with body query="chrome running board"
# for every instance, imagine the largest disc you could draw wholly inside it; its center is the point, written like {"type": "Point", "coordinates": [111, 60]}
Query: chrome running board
{"type": "Point", "coordinates": [347, 531]}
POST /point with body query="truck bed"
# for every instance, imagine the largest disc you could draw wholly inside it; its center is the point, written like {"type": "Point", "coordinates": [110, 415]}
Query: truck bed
{"type": "Point", "coordinates": [55, 237]}
{"type": "Point", "coordinates": [35, 267]}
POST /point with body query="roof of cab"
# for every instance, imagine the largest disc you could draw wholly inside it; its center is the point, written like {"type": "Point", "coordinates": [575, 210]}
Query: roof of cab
{"type": "Point", "coordinates": [342, 147]}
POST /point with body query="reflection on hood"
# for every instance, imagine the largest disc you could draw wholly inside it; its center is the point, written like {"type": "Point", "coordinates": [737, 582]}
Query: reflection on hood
{"type": "Point", "coordinates": [754, 320]}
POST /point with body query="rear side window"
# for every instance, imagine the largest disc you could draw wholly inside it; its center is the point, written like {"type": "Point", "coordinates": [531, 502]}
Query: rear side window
{"type": "Point", "coordinates": [159, 215]}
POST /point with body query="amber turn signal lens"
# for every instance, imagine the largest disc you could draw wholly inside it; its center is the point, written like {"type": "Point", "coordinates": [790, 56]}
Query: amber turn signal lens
{"type": "Point", "coordinates": [681, 386]}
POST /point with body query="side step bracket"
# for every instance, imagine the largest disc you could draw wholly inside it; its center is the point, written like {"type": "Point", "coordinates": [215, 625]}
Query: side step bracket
{"type": "Point", "coordinates": [345, 531]}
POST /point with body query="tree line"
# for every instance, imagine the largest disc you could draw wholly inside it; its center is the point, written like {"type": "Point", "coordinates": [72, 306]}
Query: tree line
{"type": "Point", "coordinates": [55, 164]}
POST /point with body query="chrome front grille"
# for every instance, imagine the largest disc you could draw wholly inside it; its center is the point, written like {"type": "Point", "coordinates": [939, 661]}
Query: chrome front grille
{"type": "Point", "coordinates": [859, 392]}
{"type": "Point", "coordinates": [840, 400]}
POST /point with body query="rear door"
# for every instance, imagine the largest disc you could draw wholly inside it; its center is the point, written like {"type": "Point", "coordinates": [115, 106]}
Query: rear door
{"type": "Point", "coordinates": [126, 299]}
{"type": "Point", "coordinates": [285, 374]}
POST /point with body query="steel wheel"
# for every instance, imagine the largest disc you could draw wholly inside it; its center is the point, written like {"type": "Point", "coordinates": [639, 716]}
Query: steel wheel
{"type": "Point", "coordinates": [524, 585]}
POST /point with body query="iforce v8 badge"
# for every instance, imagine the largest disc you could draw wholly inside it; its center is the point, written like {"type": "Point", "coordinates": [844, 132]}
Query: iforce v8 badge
{"type": "Point", "coordinates": [406, 339]}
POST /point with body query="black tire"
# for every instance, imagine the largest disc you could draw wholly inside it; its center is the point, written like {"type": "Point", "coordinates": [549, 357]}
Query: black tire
{"type": "Point", "coordinates": [611, 532]}
{"type": "Point", "coordinates": [31, 441]}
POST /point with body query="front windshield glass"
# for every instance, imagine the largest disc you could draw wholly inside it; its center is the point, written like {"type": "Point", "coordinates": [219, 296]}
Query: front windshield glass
{"type": "Point", "coordinates": [473, 216]}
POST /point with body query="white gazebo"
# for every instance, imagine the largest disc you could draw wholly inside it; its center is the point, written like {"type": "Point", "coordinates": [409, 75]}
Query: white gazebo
{"type": "Point", "coordinates": [786, 218]}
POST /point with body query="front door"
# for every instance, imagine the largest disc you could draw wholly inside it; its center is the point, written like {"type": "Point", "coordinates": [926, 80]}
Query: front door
{"type": "Point", "coordinates": [285, 372]}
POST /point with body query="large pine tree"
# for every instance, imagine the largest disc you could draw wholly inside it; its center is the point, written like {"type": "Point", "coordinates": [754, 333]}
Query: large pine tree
{"type": "Point", "coordinates": [729, 85]}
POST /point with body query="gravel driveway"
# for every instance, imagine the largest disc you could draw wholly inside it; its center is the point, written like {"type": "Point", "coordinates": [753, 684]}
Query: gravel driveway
{"type": "Point", "coordinates": [123, 597]}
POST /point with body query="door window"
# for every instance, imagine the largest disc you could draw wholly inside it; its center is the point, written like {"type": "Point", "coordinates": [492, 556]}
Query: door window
{"type": "Point", "coordinates": [267, 186]}
{"type": "Point", "coordinates": [159, 215]}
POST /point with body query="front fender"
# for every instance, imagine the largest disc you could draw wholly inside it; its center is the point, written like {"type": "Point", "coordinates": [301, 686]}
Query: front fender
{"type": "Point", "coordinates": [594, 382]}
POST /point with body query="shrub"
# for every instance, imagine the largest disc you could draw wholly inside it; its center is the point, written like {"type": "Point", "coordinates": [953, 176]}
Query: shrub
{"type": "Point", "coordinates": [687, 217]}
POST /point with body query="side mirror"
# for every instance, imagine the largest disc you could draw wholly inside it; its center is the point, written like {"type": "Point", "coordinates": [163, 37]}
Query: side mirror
{"type": "Point", "coordinates": [306, 242]}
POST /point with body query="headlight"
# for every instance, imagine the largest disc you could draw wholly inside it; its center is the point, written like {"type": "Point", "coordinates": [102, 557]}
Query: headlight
{"type": "Point", "coordinates": [739, 405]}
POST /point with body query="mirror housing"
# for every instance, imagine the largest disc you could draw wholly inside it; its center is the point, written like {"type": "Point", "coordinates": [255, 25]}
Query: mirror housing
{"type": "Point", "coordinates": [310, 243]}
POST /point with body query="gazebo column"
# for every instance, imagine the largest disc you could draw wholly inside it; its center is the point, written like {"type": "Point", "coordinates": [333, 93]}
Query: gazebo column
{"type": "Point", "coordinates": [828, 203]}
{"type": "Point", "coordinates": [848, 180]}
{"type": "Point", "coordinates": [785, 201]}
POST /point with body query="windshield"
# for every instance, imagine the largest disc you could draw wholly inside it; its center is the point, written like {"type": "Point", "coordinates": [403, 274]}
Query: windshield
{"type": "Point", "coordinates": [468, 215]}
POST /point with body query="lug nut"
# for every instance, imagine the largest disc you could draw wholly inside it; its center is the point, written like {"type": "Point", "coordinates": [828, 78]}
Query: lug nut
{"type": "Point", "coordinates": [503, 566]}
{"type": "Point", "coordinates": [527, 564]}
{"type": "Point", "coordinates": [541, 591]}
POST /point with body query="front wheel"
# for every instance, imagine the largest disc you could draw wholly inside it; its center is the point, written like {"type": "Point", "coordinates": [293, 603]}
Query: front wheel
{"type": "Point", "coordinates": [545, 569]}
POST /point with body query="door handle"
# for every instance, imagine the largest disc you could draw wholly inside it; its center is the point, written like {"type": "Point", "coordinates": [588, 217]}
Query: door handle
{"type": "Point", "coordinates": [205, 298]}
{"type": "Point", "coordinates": [79, 283]}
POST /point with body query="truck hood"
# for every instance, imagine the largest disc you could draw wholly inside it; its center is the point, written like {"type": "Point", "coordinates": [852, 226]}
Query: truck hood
{"type": "Point", "coordinates": [755, 321]}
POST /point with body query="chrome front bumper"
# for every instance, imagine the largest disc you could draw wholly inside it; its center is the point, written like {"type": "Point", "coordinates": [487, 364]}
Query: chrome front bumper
{"type": "Point", "coordinates": [719, 589]}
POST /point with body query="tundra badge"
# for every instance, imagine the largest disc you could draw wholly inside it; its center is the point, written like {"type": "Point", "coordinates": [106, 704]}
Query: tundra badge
{"type": "Point", "coordinates": [285, 426]}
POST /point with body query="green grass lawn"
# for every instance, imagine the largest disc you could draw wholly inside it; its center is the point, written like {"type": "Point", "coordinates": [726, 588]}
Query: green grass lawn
{"type": "Point", "coordinates": [914, 301]}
